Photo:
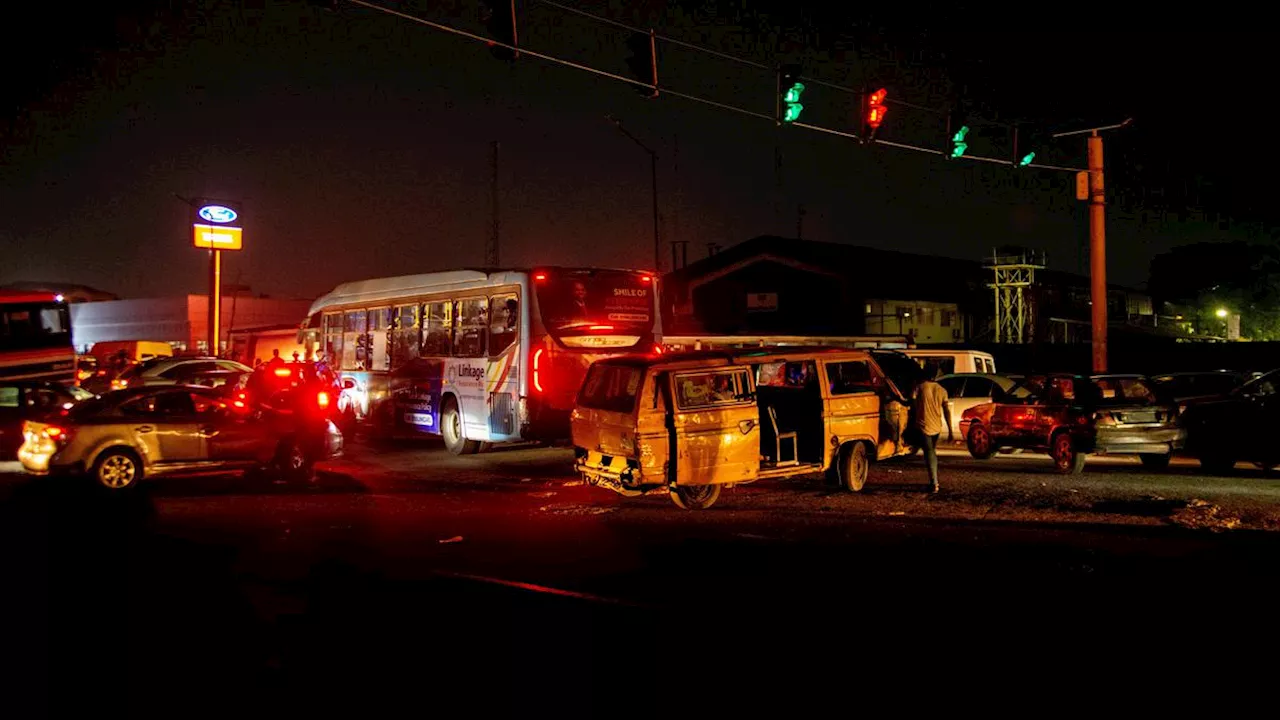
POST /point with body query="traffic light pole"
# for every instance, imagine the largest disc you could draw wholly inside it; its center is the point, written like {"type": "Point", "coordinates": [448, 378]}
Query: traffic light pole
{"type": "Point", "coordinates": [1097, 242]}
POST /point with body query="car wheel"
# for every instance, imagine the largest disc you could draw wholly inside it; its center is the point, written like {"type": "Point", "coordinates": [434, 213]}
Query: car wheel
{"type": "Point", "coordinates": [451, 429]}
{"type": "Point", "coordinates": [117, 470]}
{"type": "Point", "coordinates": [695, 497]}
{"type": "Point", "coordinates": [979, 442]}
{"type": "Point", "coordinates": [292, 463]}
{"type": "Point", "coordinates": [1066, 458]}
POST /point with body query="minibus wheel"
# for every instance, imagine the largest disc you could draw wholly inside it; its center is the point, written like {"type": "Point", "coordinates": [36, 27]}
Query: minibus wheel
{"type": "Point", "coordinates": [854, 467]}
{"type": "Point", "coordinates": [695, 497]}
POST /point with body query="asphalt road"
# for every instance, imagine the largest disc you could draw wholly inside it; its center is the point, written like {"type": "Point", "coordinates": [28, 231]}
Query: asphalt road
{"type": "Point", "coordinates": [498, 584]}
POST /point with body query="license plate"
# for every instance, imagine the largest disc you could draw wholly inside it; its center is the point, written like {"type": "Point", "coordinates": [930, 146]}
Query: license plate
{"type": "Point", "coordinates": [419, 419]}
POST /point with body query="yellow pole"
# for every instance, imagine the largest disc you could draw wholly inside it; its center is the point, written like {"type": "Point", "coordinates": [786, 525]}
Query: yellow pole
{"type": "Point", "coordinates": [1098, 254]}
{"type": "Point", "coordinates": [215, 300]}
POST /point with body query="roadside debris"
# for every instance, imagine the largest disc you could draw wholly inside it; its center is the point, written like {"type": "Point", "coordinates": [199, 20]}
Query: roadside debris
{"type": "Point", "coordinates": [573, 483]}
{"type": "Point", "coordinates": [898, 512]}
{"type": "Point", "coordinates": [546, 494]}
{"type": "Point", "coordinates": [454, 539]}
{"type": "Point", "coordinates": [1203, 515]}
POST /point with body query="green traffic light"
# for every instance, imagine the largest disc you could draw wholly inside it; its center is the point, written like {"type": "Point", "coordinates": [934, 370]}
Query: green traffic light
{"type": "Point", "coordinates": [1026, 159]}
{"type": "Point", "coordinates": [960, 145]}
{"type": "Point", "coordinates": [792, 99]}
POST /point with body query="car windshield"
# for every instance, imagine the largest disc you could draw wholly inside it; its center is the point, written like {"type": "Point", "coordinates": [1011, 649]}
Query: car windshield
{"type": "Point", "coordinates": [1124, 391]}
{"type": "Point", "coordinates": [1265, 385]}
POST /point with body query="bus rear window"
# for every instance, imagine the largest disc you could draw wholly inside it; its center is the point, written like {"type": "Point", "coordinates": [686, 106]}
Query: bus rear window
{"type": "Point", "coordinates": [596, 301]}
{"type": "Point", "coordinates": [612, 388]}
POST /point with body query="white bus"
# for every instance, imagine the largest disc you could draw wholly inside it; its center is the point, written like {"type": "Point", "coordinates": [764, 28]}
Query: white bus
{"type": "Point", "coordinates": [478, 356]}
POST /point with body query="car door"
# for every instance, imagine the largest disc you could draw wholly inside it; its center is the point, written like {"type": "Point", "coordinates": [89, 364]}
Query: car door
{"type": "Point", "coordinates": [716, 422]}
{"type": "Point", "coordinates": [166, 426]}
{"type": "Point", "coordinates": [231, 436]}
{"type": "Point", "coordinates": [977, 390]}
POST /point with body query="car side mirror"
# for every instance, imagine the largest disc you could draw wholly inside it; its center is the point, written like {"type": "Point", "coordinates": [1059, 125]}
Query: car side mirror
{"type": "Point", "coordinates": [348, 384]}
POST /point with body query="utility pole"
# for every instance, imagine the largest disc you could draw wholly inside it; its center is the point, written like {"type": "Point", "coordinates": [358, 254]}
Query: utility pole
{"type": "Point", "coordinates": [1097, 240]}
{"type": "Point", "coordinates": [653, 169]}
{"type": "Point", "coordinates": [491, 250]}
{"type": "Point", "coordinates": [800, 221]}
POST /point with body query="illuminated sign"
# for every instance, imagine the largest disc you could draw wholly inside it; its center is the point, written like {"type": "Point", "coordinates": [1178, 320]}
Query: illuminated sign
{"type": "Point", "coordinates": [220, 214]}
{"type": "Point", "coordinates": [218, 237]}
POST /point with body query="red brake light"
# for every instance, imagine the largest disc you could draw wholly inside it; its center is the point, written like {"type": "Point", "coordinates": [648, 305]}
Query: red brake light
{"type": "Point", "coordinates": [645, 278]}
{"type": "Point", "coordinates": [539, 276]}
{"type": "Point", "coordinates": [537, 373]}
{"type": "Point", "coordinates": [600, 327]}
{"type": "Point", "coordinates": [54, 431]}
{"type": "Point", "coordinates": [283, 372]}
{"type": "Point", "coordinates": [322, 399]}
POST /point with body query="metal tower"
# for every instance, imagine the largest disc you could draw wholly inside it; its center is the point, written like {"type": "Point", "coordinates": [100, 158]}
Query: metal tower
{"type": "Point", "coordinates": [1015, 271]}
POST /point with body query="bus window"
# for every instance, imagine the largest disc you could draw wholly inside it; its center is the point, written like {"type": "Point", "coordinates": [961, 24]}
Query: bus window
{"type": "Point", "coordinates": [470, 327]}
{"type": "Point", "coordinates": [355, 341]}
{"type": "Point", "coordinates": [379, 329]}
{"type": "Point", "coordinates": [437, 328]}
{"type": "Point", "coordinates": [404, 337]}
{"type": "Point", "coordinates": [333, 339]}
{"type": "Point", "coordinates": [504, 322]}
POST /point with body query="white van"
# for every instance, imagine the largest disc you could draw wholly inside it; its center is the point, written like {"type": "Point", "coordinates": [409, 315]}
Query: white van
{"type": "Point", "coordinates": [954, 361]}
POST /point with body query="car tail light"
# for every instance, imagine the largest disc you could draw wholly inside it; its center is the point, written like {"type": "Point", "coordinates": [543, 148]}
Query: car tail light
{"type": "Point", "coordinates": [57, 434]}
{"type": "Point", "coordinates": [537, 368]}
{"type": "Point", "coordinates": [322, 400]}
{"type": "Point", "coordinates": [119, 384]}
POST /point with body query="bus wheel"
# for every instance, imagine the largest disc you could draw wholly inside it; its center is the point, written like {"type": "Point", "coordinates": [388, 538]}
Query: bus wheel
{"type": "Point", "coordinates": [695, 497]}
{"type": "Point", "coordinates": [451, 428]}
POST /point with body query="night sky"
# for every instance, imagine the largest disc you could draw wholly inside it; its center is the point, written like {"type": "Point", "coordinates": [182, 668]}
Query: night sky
{"type": "Point", "coordinates": [359, 142]}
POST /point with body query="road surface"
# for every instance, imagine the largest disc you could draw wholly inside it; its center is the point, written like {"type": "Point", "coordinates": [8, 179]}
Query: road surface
{"type": "Point", "coordinates": [499, 584]}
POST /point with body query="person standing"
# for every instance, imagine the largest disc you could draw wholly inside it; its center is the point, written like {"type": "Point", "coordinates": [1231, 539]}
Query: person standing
{"type": "Point", "coordinates": [931, 409]}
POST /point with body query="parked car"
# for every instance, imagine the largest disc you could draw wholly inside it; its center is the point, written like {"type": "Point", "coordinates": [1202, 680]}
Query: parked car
{"type": "Point", "coordinates": [121, 437]}
{"type": "Point", "coordinates": [966, 390]}
{"type": "Point", "coordinates": [1069, 416]}
{"type": "Point", "coordinates": [174, 371]}
{"type": "Point", "coordinates": [23, 400]}
{"type": "Point", "coordinates": [1183, 386]}
{"type": "Point", "coordinates": [1239, 426]}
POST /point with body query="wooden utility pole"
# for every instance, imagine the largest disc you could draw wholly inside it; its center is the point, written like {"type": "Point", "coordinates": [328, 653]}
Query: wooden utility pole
{"type": "Point", "coordinates": [491, 256]}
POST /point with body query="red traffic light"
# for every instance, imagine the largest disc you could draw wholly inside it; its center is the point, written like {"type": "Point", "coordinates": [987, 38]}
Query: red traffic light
{"type": "Point", "coordinates": [876, 108]}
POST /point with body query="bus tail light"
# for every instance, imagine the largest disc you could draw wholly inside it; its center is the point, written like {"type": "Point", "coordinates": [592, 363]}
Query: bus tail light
{"type": "Point", "coordinates": [537, 368]}
{"type": "Point", "coordinates": [322, 400]}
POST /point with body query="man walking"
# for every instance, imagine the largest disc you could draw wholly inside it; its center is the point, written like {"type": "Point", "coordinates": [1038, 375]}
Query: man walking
{"type": "Point", "coordinates": [930, 404]}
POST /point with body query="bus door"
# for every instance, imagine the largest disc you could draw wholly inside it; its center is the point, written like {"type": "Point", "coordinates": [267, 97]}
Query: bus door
{"type": "Point", "coordinates": [503, 374]}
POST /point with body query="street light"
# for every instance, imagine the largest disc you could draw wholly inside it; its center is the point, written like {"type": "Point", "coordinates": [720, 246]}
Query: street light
{"type": "Point", "coordinates": [1222, 313]}
{"type": "Point", "coordinates": [653, 168]}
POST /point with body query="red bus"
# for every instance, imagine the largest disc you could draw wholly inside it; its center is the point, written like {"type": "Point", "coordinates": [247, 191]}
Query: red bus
{"type": "Point", "coordinates": [478, 356]}
{"type": "Point", "coordinates": [35, 337]}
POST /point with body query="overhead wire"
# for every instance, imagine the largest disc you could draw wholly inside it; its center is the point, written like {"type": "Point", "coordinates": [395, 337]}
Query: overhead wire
{"type": "Point", "coordinates": [689, 96]}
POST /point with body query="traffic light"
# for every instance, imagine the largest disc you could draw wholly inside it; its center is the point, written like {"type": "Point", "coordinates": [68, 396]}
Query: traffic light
{"type": "Point", "coordinates": [1026, 143]}
{"type": "Point", "coordinates": [958, 144]}
{"type": "Point", "coordinates": [874, 112]}
{"type": "Point", "coordinates": [791, 88]}
{"type": "Point", "coordinates": [500, 20]}
{"type": "Point", "coordinates": [643, 62]}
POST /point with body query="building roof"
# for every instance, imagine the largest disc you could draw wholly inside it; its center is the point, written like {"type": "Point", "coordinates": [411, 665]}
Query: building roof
{"type": "Point", "coordinates": [893, 273]}
{"type": "Point", "coordinates": [73, 292]}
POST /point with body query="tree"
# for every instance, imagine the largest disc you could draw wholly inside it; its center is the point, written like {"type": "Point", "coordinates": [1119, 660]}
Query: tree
{"type": "Point", "coordinates": [1236, 276]}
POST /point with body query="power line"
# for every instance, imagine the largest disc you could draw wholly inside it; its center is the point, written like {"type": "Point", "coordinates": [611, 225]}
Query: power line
{"type": "Point", "coordinates": [685, 96]}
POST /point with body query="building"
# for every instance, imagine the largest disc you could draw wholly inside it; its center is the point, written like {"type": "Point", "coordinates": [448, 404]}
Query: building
{"type": "Point", "coordinates": [781, 286]}
{"type": "Point", "coordinates": [182, 321]}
